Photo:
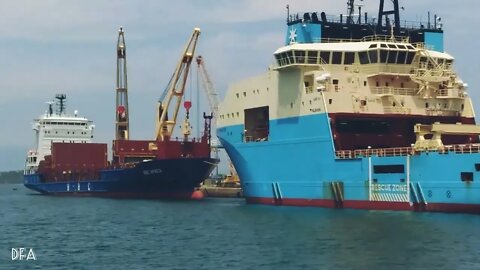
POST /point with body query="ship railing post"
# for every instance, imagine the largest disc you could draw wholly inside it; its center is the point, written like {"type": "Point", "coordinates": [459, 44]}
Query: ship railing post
{"type": "Point", "coordinates": [369, 176]}
{"type": "Point", "coordinates": [408, 179]}
{"type": "Point", "coordinates": [327, 118]}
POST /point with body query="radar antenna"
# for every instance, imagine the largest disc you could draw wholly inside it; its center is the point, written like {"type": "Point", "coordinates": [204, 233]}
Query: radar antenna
{"type": "Point", "coordinates": [61, 103]}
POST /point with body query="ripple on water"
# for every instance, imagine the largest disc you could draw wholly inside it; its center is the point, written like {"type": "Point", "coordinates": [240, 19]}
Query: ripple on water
{"type": "Point", "coordinates": [93, 233]}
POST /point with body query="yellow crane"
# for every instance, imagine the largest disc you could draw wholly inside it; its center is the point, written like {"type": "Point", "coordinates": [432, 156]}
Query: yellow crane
{"type": "Point", "coordinates": [174, 93]}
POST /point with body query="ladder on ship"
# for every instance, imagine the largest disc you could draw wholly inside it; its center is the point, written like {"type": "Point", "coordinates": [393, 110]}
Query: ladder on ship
{"type": "Point", "coordinates": [418, 196]}
{"type": "Point", "coordinates": [277, 193]}
{"type": "Point", "coordinates": [337, 191]}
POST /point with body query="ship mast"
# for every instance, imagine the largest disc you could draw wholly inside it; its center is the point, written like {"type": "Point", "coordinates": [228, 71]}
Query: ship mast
{"type": "Point", "coordinates": [175, 90]}
{"type": "Point", "coordinates": [350, 8]}
{"type": "Point", "coordinates": [382, 12]}
{"type": "Point", "coordinates": [122, 112]}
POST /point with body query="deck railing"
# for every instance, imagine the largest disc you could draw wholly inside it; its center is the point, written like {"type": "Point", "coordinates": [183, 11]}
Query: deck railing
{"type": "Point", "coordinates": [394, 91]}
{"type": "Point", "coordinates": [404, 151]}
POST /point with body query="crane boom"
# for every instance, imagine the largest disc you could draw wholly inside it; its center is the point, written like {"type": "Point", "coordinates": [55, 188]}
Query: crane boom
{"type": "Point", "coordinates": [122, 113]}
{"type": "Point", "coordinates": [175, 90]}
{"type": "Point", "coordinates": [212, 95]}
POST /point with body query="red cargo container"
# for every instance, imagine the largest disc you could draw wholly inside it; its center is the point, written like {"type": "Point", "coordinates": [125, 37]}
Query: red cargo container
{"type": "Point", "coordinates": [74, 162]}
{"type": "Point", "coordinates": [79, 155]}
{"type": "Point", "coordinates": [125, 151]}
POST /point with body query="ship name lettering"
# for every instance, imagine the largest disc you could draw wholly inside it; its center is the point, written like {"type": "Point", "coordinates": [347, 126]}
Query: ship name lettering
{"type": "Point", "coordinates": [152, 171]}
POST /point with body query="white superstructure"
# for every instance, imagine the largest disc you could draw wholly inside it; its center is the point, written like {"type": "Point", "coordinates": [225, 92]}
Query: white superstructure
{"type": "Point", "coordinates": [376, 76]}
{"type": "Point", "coordinates": [57, 126]}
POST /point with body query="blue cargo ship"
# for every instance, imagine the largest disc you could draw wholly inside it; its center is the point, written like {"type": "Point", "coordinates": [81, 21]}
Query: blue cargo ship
{"type": "Point", "coordinates": [65, 161]}
{"type": "Point", "coordinates": [356, 113]}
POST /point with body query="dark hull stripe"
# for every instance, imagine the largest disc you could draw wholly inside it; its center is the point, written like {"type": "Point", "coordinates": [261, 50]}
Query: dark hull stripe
{"type": "Point", "coordinates": [371, 205]}
{"type": "Point", "coordinates": [194, 195]}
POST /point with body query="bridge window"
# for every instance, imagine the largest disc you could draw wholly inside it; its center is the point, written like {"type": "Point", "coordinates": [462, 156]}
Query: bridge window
{"type": "Point", "coordinates": [392, 57]}
{"type": "Point", "coordinates": [300, 57]}
{"type": "Point", "coordinates": [383, 56]}
{"type": "Point", "coordinates": [312, 57]}
{"type": "Point", "coordinates": [402, 56]}
{"type": "Point", "coordinates": [279, 60]}
{"type": "Point", "coordinates": [363, 56]}
{"type": "Point", "coordinates": [448, 62]}
{"type": "Point", "coordinates": [325, 57]}
{"type": "Point", "coordinates": [290, 59]}
{"type": "Point", "coordinates": [349, 58]}
{"type": "Point", "coordinates": [410, 57]}
{"type": "Point", "coordinates": [336, 58]}
{"type": "Point", "coordinates": [283, 59]}
{"type": "Point", "coordinates": [373, 54]}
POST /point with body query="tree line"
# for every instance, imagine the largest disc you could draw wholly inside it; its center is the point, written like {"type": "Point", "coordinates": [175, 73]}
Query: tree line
{"type": "Point", "coordinates": [11, 177]}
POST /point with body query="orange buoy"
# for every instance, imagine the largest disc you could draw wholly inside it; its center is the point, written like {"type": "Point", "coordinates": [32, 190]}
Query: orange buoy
{"type": "Point", "coordinates": [197, 195]}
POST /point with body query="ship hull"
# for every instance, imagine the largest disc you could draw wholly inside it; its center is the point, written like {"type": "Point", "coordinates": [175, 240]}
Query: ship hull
{"type": "Point", "coordinates": [301, 168]}
{"type": "Point", "coordinates": [168, 178]}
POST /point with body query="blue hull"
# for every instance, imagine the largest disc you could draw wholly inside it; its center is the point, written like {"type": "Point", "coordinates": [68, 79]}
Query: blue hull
{"type": "Point", "coordinates": [176, 178]}
{"type": "Point", "coordinates": [298, 166]}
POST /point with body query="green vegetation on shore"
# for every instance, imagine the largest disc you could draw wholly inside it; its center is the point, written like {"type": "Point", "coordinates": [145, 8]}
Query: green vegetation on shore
{"type": "Point", "coordinates": [11, 177]}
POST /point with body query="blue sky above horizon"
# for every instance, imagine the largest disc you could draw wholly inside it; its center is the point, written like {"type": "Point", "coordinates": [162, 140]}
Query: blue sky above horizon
{"type": "Point", "coordinates": [58, 46]}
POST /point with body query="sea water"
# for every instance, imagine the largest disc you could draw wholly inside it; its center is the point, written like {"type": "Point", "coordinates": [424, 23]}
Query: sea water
{"type": "Point", "coordinates": [98, 233]}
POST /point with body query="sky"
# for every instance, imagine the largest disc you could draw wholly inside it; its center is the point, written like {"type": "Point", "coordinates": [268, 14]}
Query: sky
{"type": "Point", "coordinates": [66, 46]}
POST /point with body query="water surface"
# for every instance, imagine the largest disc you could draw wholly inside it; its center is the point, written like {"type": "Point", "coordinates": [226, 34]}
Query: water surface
{"type": "Point", "coordinates": [98, 233]}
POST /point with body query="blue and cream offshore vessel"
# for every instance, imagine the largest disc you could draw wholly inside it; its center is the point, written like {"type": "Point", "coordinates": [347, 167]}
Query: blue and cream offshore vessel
{"type": "Point", "coordinates": [356, 113]}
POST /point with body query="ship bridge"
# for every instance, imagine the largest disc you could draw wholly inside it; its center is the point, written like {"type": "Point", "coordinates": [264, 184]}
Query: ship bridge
{"type": "Point", "coordinates": [343, 53]}
{"type": "Point", "coordinates": [379, 51]}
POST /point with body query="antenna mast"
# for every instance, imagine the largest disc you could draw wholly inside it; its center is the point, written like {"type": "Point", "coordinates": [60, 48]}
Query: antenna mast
{"type": "Point", "coordinates": [122, 113]}
{"type": "Point", "coordinates": [382, 13]}
{"type": "Point", "coordinates": [350, 9]}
